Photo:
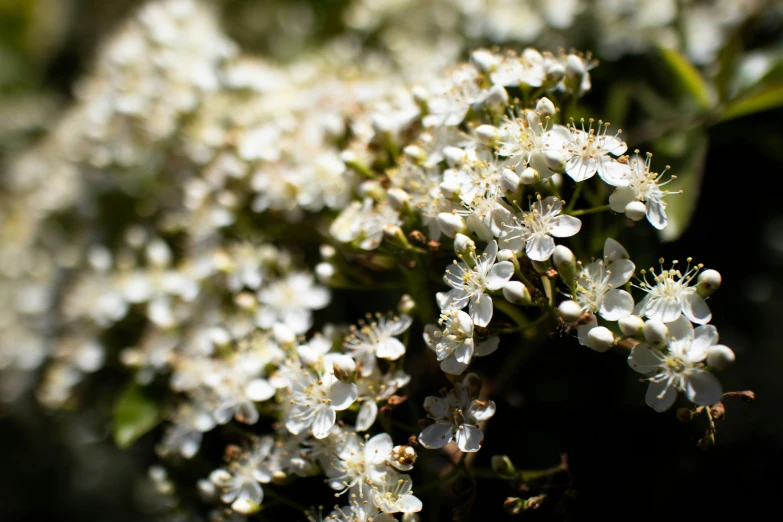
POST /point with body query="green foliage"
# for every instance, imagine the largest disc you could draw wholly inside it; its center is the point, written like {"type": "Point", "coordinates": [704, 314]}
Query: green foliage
{"type": "Point", "coordinates": [135, 413]}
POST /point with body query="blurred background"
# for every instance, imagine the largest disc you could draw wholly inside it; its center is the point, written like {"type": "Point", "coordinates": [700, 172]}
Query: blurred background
{"type": "Point", "coordinates": [700, 83]}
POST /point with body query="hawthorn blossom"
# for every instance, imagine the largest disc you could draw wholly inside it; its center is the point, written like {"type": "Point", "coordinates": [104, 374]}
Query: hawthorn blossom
{"type": "Point", "coordinates": [240, 481]}
{"type": "Point", "coordinates": [316, 397]}
{"type": "Point", "coordinates": [291, 300]}
{"type": "Point", "coordinates": [453, 343]}
{"type": "Point", "coordinates": [373, 389]}
{"type": "Point", "coordinates": [393, 494]}
{"type": "Point", "coordinates": [363, 222]}
{"type": "Point", "coordinates": [598, 284]}
{"type": "Point", "coordinates": [377, 339]}
{"type": "Point", "coordinates": [678, 366]}
{"type": "Point", "coordinates": [670, 294]}
{"type": "Point", "coordinates": [533, 230]}
{"type": "Point", "coordinates": [359, 463]}
{"type": "Point", "coordinates": [469, 282]}
{"type": "Point", "coordinates": [643, 186]}
{"type": "Point", "coordinates": [586, 152]}
{"type": "Point", "coordinates": [456, 416]}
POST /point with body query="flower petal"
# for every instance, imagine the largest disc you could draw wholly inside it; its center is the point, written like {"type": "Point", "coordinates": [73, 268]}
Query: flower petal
{"type": "Point", "coordinates": [452, 366]}
{"type": "Point", "coordinates": [367, 414]}
{"type": "Point", "coordinates": [620, 272]}
{"type": "Point", "coordinates": [407, 504]}
{"type": "Point", "coordinates": [454, 299]}
{"type": "Point", "coordinates": [378, 448]}
{"type": "Point", "coordinates": [481, 410]}
{"type": "Point", "coordinates": [436, 436]}
{"type": "Point", "coordinates": [391, 349]}
{"type": "Point", "coordinates": [499, 275]}
{"type": "Point", "coordinates": [323, 421]}
{"type": "Point", "coordinates": [695, 308]}
{"type": "Point", "coordinates": [565, 226]}
{"type": "Point", "coordinates": [656, 213]}
{"type": "Point", "coordinates": [436, 406]}
{"type": "Point", "coordinates": [540, 247]}
{"type": "Point", "coordinates": [487, 347]}
{"type": "Point", "coordinates": [481, 310]}
{"type": "Point", "coordinates": [703, 338]}
{"type": "Point", "coordinates": [259, 390]}
{"type": "Point", "coordinates": [644, 359]}
{"type": "Point", "coordinates": [660, 396]}
{"type": "Point", "coordinates": [703, 388]}
{"type": "Point", "coordinates": [469, 438]}
{"type": "Point", "coordinates": [342, 394]}
{"type": "Point", "coordinates": [616, 304]}
{"type": "Point", "coordinates": [620, 199]}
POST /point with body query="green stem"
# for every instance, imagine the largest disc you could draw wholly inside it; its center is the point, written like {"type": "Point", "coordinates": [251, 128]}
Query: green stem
{"type": "Point", "coordinates": [590, 210]}
{"type": "Point", "coordinates": [512, 312]}
{"type": "Point", "coordinates": [574, 198]}
{"type": "Point", "coordinates": [283, 500]}
{"type": "Point", "coordinates": [539, 320]}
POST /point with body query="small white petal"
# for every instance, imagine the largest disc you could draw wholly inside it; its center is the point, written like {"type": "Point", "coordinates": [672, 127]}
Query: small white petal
{"type": "Point", "coordinates": [367, 414]}
{"type": "Point", "coordinates": [469, 439]}
{"type": "Point", "coordinates": [259, 390]}
{"type": "Point", "coordinates": [616, 304]}
{"type": "Point", "coordinates": [660, 397]}
{"type": "Point", "coordinates": [342, 394]}
{"type": "Point", "coordinates": [323, 421]}
{"type": "Point", "coordinates": [435, 436]}
{"type": "Point", "coordinates": [540, 248]}
{"type": "Point", "coordinates": [481, 310]}
{"type": "Point", "coordinates": [391, 349]}
{"type": "Point", "coordinates": [378, 448]}
{"type": "Point", "coordinates": [644, 360]}
{"type": "Point", "coordinates": [695, 308]}
{"type": "Point", "coordinates": [499, 275]}
{"type": "Point", "coordinates": [565, 226]}
{"type": "Point", "coordinates": [703, 388]}
{"type": "Point", "coordinates": [621, 271]}
{"type": "Point", "coordinates": [487, 347]}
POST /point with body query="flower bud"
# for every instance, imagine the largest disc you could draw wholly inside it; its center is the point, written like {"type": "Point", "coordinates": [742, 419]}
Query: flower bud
{"type": "Point", "coordinates": [487, 134]}
{"type": "Point", "coordinates": [575, 67]}
{"type": "Point", "coordinates": [565, 262]}
{"type": "Point", "coordinates": [503, 466]}
{"type": "Point", "coordinates": [496, 96]}
{"type": "Point", "coordinates": [406, 304]}
{"type": "Point", "coordinates": [655, 332]}
{"type": "Point", "coordinates": [344, 366]}
{"type": "Point", "coordinates": [415, 153]}
{"type": "Point", "coordinates": [631, 325]}
{"type": "Point", "coordinates": [509, 181]}
{"type": "Point", "coordinates": [449, 188]}
{"type": "Point", "coordinates": [506, 255]}
{"type": "Point", "coordinates": [600, 338]}
{"type": "Point", "coordinates": [545, 107]}
{"type": "Point", "coordinates": [325, 272]}
{"type": "Point", "coordinates": [245, 506]}
{"type": "Point", "coordinates": [483, 60]}
{"type": "Point", "coordinates": [635, 210]}
{"type": "Point", "coordinates": [395, 236]}
{"type": "Point", "coordinates": [403, 457]}
{"type": "Point", "coordinates": [708, 282]}
{"type": "Point", "coordinates": [451, 224]}
{"type": "Point", "coordinates": [206, 490]}
{"type": "Point", "coordinates": [570, 311]}
{"type": "Point", "coordinates": [283, 334]}
{"type": "Point", "coordinates": [463, 245]}
{"type": "Point", "coordinates": [720, 357]}
{"type": "Point", "coordinates": [517, 293]}
{"type": "Point", "coordinates": [327, 252]}
{"type": "Point", "coordinates": [554, 160]}
{"type": "Point", "coordinates": [455, 156]}
{"type": "Point", "coordinates": [397, 198]}
{"type": "Point", "coordinates": [555, 74]}
{"type": "Point", "coordinates": [529, 176]}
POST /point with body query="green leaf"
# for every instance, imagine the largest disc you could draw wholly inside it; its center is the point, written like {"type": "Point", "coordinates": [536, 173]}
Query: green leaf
{"type": "Point", "coordinates": [680, 207]}
{"type": "Point", "coordinates": [765, 99]}
{"type": "Point", "coordinates": [689, 78]}
{"type": "Point", "coordinates": [135, 413]}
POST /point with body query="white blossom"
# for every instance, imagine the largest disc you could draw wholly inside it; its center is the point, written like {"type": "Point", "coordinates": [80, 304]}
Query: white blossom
{"type": "Point", "coordinates": [598, 286]}
{"type": "Point", "coordinates": [453, 342]}
{"type": "Point", "coordinates": [645, 187]}
{"type": "Point", "coordinates": [587, 151]}
{"type": "Point", "coordinates": [533, 230]}
{"type": "Point", "coordinates": [315, 398]}
{"type": "Point", "coordinates": [670, 294]}
{"type": "Point", "coordinates": [377, 338]}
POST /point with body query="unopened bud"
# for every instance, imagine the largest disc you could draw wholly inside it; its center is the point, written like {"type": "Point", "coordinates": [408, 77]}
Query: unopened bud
{"type": "Point", "coordinates": [496, 96]}
{"type": "Point", "coordinates": [406, 304]}
{"type": "Point", "coordinates": [325, 272]}
{"type": "Point", "coordinates": [517, 293]}
{"type": "Point", "coordinates": [600, 338]}
{"type": "Point", "coordinates": [720, 357]}
{"type": "Point", "coordinates": [245, 506]}
{"type": "Point", "coordinates": [708, 282]}
{"type": "Point", "coordinates": [509, 181]}
{"type": "Point", "coordinates": [554, 160]}
{"type": "Point", "coordinates": [463, 245]}
{"type": "Point", "coordinates": [529, 176]}
{"type": "Point", "coordinates": [344, 366]}
{"type": "Point", "coordinates": [570, 311]}
{"type": "Point", "coordinates": [455, 156]}
{"type": "Point", "coordinates": [395, 236]}
{"type": "Point", "coordinates": [415, 153]}
{"type": "Point", "coordinates": [487, 134]}
{"type": "Point", "coordinates": [575, 67]}
{"type": "Point", "coordinates": [635, 210]}
{"type": "Point", "coordinates": [397, 198]}
{"type": "Point", "coordinates": [483, 60]}
{"type": "Point", "coordinates": [545, 107]}
{"type": "Point", "coordinates": [565, 262]}
{"type": "Point", "coordinates": [555, 74]}
{"type": "Point", "coordinates": [451, 224]}
{"type": "Point", "coordinates": [631, 325]}
{"type": "Point", "coordinates": [655, 332]}
{"type": "Point", "coordinates": [283, 334]}
{"type": "Point", "coordinates": [503, 466]}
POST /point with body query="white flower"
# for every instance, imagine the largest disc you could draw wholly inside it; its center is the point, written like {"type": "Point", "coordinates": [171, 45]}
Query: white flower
{"type": "Point", "coordinates": [290, 300]}
{"type": "Point", "coordinates": [469, 283]}
{"type": "Point", "coordinates": [598, 285]}
{"type": "Point", "coordinates": [514, 71]}
{"type": "Point", "coordinates": [358, 463]}
{"type": "Point", "coordinates": [364, 223]}
{"type": "Point", "coordinates": [589, 151]}
{"type": "Point", "coordinates": [316, 399]}
{"type": "Point", "coordinates": [643, 186]}
{"type": "Point", "coordinates": [524, 141]}
{"type": "Point", "coordinates": [533, 230]}
{"type": "Point", "coordinates": [449, 106]}
{"type": "Point", "coordinates": [456, 416]}
{"type": "Point", "coordinates": [670, 295]}
{"type": "Point", "coordinates": [376, 339]}
{"type": "Point", "coordinates": [393, 494]}
{"type": "Point", "coordinates": [374, 389]}
{"type": "Point", "coordinates": [453, 342]}
{"type": "Point", "coordinates": [239, 483]}
{"type": "Point", "coordinates": [679, 366]}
